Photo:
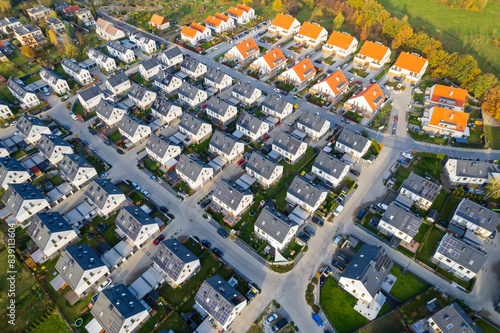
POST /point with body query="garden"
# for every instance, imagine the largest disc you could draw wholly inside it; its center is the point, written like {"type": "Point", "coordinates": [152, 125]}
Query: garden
{"type": "Point", "coordinates": [416, 309]}
{"type": "Point", "coordinates": [406, 285]}
{"type": "Point", "coordinates": [421, 164]}
{"type": "Point", "coordinates": [419, 135]}
{"type": "Point", "coordinates": [381, 121]}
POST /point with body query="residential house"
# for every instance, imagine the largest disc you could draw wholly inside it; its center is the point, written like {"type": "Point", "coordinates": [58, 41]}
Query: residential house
{"type": "Point", "coordinates": [172, 57]}
{"type": "Point", "coordinates": [420, 190]}
{"type": "Point", "coordinates": [265, 170]}
{"type": "Point", "coordinates": [478, 219]}
{"type": "Point", "coordinates": [410, 66]}
{"type": "Point", "coordinates": [159, 22]}
{"type": "Point", "coordinates": [50, 232]}
{"type": "Point", "coordinates": [245, 92]}
{"type": "Point", "coordinates": [162, 151]}
{"type": "Point", "coordinates": [193, 68]}
{"type": "Point", "coordinates": [311, 35]}
{"type": "Point", "coordinates": [106, 63]}
{"type": "Point", "coordinates": [340, 44]}
{"type": "Point", "coordinates": [165, 110]}
{"type": "Point", "coordinates": [195, 33]}
{"type": "Point", "coordinates": [107, 30]}
{"type": "Point", "coordinates": [284, 25]}
{"type": "Point", "coordinates": [329, 169]}
{"type": "Point", "coordinates": [167, 82]}
{"type": "Point", "coordinates": [241, 14]}
{"type": "Point", "coordinates": [136, 224]}
{"type": "Point", "coordinates": [220, 111]}
{"type": "Point", "coordinates": [244, 52]}
{"type": "Point", "coordinates": [118, 83]}
{"type": "Point", "coordinates": [141, 96]}
{"type": "Point", "coordinates": [219, 23]}
{"type": "Point", "coordinates": [55, 24]}
{"type": "Point", "coordinates": [270, 63]}
{"type": "Point", "coordinates": [289, 148]}
{"type": "Point", "coordinates": [32, 128]}
{"type": "Point", "coordinates": [76, 169]}
{"type": "Point", "coordinates": [10, 22]}
{"type": "Point", "coordinates": [109, 112]}
{"type": "Point", "coordinates": [78, 73]}
{"type": "Point", "coordinates": [193, 172]}
{"type": "Point", "coordinates": [448, 97]}
{"type": "Point", "coordinates": [275, 228]}
{"type": "Point", "coordinates": [38, 12]}
{"type": "Point", "coordinates": [331, 87]}
{"type": "Point", "coordinates": [12, 172]}
{"type": "Point", "coordinates": [53, 147]}
{"type": "Point", "coordinates": [192, 95]}
{"type": "Point", "coordinates": [251, 126]}
{"type": "Point", "coordinates": [145, 43]}
{"type": "Point", "coordinates": [400, 223]}
{"type": "Point", "coordinates": [367, 101]}
{"type": "Point", "coordinates": [85, 16]}
{"type": "Point", "coordinates": [28, 99]}
{"type": "Point", "coordinates": [29, 35]}
{"type": "Point", "coordinates": [305, 194]}
{"type": "Point", "coordinates": [354, 145]}
{"type": "Point", "coordinates": [372, 55]}
{"type": "Point", "coordinates": [149, 68]}
{"type": "Point", "coordinates": [300, 74]}
{"type": "Point", "coordinates": [276, 107]}
{"type": "Point", "coordinates": [105, 196]}
{"type": "Point", "coordinates": [57, 83]}
{"type": "Point", "coordinates": [458, 257]}
{"type": "Point", "coordinates": [67, 9]}
{"type": "Point", "coordinates": [118, 50]}
{"type": "Point", "coordinates": [225, 146]}
{"type": "Point", "coordinates": [444, 121]}
{"type": "Point", "coordinates": [24, 200]}
{"type": "Point", "coordinates": [196, 129]}
{"type": "Point", "coordinates": [231, 197]}
{"type": "Point", "coordinates": [5, 111]}
{"type": "Point", "coordinates": [90, 97]}
{"type": "Point", "coordinates": [4, 151]}
{"type": "Point", "coordinates": [217, 79]}
{"type": "Point", "coordinates": [133, 129]}
{"type": "Point", "coordinates": [452, 319]}
{"type": "Point", "coordinates": [175, 259]}
{"type": "Point", "coordinates": [314, 125]}
{"type": "Point", "coordinates": [464, 172]}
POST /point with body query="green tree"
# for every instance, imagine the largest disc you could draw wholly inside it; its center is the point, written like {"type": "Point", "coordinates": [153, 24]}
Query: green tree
{"type": "Point", "coordinates": [482, 83]}
{"type": "Point", "coordinates": [309, 3]}
{"type": "Point", "coordinates": [356, 4]}
{"type": "Point", "coordinates": [339, 19]}
{"type": "Point", "coordinates": [278, 5]}
{"type": "Point", "coordinates": [493, 188]}
{"type": "Point", "coordinates": [491, 102]}
{"type": "Point", "coordinates": [70, 31]}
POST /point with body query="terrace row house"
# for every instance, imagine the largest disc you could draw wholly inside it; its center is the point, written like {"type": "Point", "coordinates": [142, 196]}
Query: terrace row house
{"type": "Point", "coordinates": [104, 62]}
{"type": "Point", "coordinates": [108, 31]}
{"type": "Point", "coordinates": [225, 146]}
{"type": "Point", "coordinates": [217, 79]}
{"type": "Point", "coordinates": [159, 22]}
{"type": "Point", "coordinates": [340, 45]}
{"type": "Point", "coordinates": [76, 71]}
{"type": "Point", "coordinates": [32, 128]}
{"type": "Point", "coordinates": [241, 14]}
{"type": "Point", "coordinates": [172, 57]}
{"type": "Point", "coordinates": [109, 112]}
{"type": "Point", "coordinates": [162, 151]}
{"type": "Point", "coordinates": [133, 129]}
{"type": "Point", "coordinates": [57, 83]}
{"type": "Point", "coordinates": [289, 148]}
{"type": "Point", "coordinates": [220, 111]}
{"type": "Point", "coordinates": [105, 196]}
{"type": "Point", "coordinates": [167, 82]}
{"type": "Point", "coordinates": [284, 25]}
{"type": "Point", "coordinates": [118, 50]}
{"type": "Point", "coordinates": [193, 172]}
{"type": "Point", "coordinates": [251, 126]}
{"type": "Point", "coordinates": [76, 169]}
{"type": "Point", "coordinates": [372, 55]}
{"type": "Point", "coordinates": [195, 33]}
{"type": "Point", "coordinates": [267, 171]}
{"type": "Point", "coordinates": [196, 129]}
{"type": "Point", "coordinates": [270, 63]}
{"type": "Point", "coordinates": [244, 52]}
{"type": "Point", "coordinates": [28, 99]}
{"type": "Point", "coordinates": [219, 23]}
{"type": "Point", "coordinates": [165, 110]}
{"type": "Point", "coordinates": [53, 147]}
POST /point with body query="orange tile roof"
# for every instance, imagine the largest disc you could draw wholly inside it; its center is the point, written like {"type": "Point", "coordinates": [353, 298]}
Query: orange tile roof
{"type": "Point", "coordinates": [283, 21]}
{"type": "Point", "coordinates": [222, 17]}
{"type": "Point", "coordinates": [336, 81]}
{"type": "Point", "coordinates": [373, 50]}
{"type": "Point", "coordinates": [243, 7]}
{"type": "Point", "coordinates": [198, 27]}
{"type": "Point", "coordinates": [340, 39]}
{"type": "Point", "coordinates": [247, 47]}
{"type": "Point", "coordinates": [192, 30]}
{"type": "Point", "coordinates": [158, 20]}
{"type": "Point", "coordinates": [311, 30]}
{"type": "Point", "coordinates": [274, 58]}
{"type": "Point", "coordinates": [213, 21]}
{"type": "Point", "coordinates": [371, 94]}
{"type": "Point", "coordinates": [441, 117]}
{"type": "Point", "coordinates": [236, 11]}
{"type": "Point", "coordinates": [410, 62]}
{"type": "Point", "coordinates": [71, 9]}
{"type": "Point", "coordinates": [304, 69]}
{"type": "Point", "coordinates": [459, 95]}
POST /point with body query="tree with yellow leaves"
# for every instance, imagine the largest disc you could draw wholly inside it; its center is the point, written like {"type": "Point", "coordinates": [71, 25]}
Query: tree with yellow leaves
{"type": "Point", "coordinates": [278, 5]}
{"type": "Point", "coordinates": [491, 103]}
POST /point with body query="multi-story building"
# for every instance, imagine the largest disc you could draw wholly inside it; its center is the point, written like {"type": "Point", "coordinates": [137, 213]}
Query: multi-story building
{"type": "Point", "coordinates": [219, 23]}
{"type": "Point", "coordinates": [289, 148]}
{"type": "Point", "coordinates": [241, 14]}
{"type": "Point", "coordinates": [421, 191]}
{"type": "Point", "coordinates": [172, 57]}
{"type": "Point", "coordinates": [231, 197]}
{"type": "Point", "coordinates": [192, 95]}
{"type": "Point", "coordinates": [136, 224]}
{"type": "Point", "coordinates": [193, 172]}
{"type": "Point", "coordinates": [55, 24]}
{"type": "Point", "coordinates": [331, 87]}
{"type": "Point", "coordinates": [38, 12]}
{"type": "Point", "coordinates": [217, 79]}
{"type": "Point", "coordinates": [28, 99]}
{"type": "Point", "coordinates": [193, 68]}
{"type": "Point", "coordinates": [165, 110]}
{"type": "Point", "coordinates": [162, 151]}
{"type": "Point", "coordinates": [57, 83]}
{"type": "Point", "coordinates": [329, 169]}
{"type": "Point", "coordinates": [106, 63]}
{"type": "Point", "coordinates": [90, 97]}
{"type": "Point", "coordinates": [105, 196]}
{"type": "Point", "coordinates": [464, 172]}
{"type": "Point", "coordinates": [196, 129]}
{"type": "Point", "coordinates": [225, 146]}
{"type": "Point", "coordinates": [311, 35]}
{"type": "Point", "coordinates": [306, 194]}
{"type": "Point", "coordinates": [108, 31]}
{"type": "Point", "coordinates": [275, 228]}
{"type": "Point", "coordinates": [85, 16]}
{"type": "Point", "coordinates": [134, 129]}
{"type": "Point", "coordinates": [167, 82]}
{"type": "Point", "coordinates": [340, 45]}
{"type": "Point", "coordinates": [32, 128]}
{"type": "Point", "coordinates": [265, 170]}
{"type": "Point", "coordinates": [159, 22]}
{"type": "Point", "coordinates": [118, 50]}
{"type": "Point", "coordinates": [448, 97]}
{"type": "Point", "coordinates": [150, 68]}
{"type": "Point", "coordinates": [244, 52]}
{"type": "Point", "coordinates": [444, 121]}
{"type": "Point", "coordinates": [270, 63]}
{"type": "Point", "coordinates": [195, 33]}
{"type": "Point", "coordinates": [24, 200]}
{"type": "Point", "coordinates": [284, 25]}
{"type": "Point", "coordinates": [246, 93]}
{"type": "Point", "coordinates": [476, 218]}
{"type": "Point", "coordinates": [76, 169]}
{"type": "Point", "coordinates": [10, 22]}
{"type": "Point", "coordinates": [141, 96]}
{"type": "Point", "coordinates": [312, 124]}
{"type": "Point", "coordinates": [29, 35]}
{"type": "Point", "coordinates": [220, 111]}
{"type": "Point", "coordinates": [251, 126]}
{"type": "Point", "coordinates": [353, 144]}
{"type": "Point", "coordinates": [12, 172]}
{"type": "Point", "coordinates": [109, 112]}
{"type": "Point", "coordinates": [276, 107]}
{"type": "Point", "coordinates": [146, 44]}
{"type": "Point", "coordinates": [372, 55]}
{"type": "Point", "coordinates": [300, 74]}
{"type": "Point", "coordinates": [118, 83]}
{"type": "Point", "coordinates": [452, 319]}
{"type": "Point", "coordinates": [400, 223]}
{"type": "Point", "coordinates": [53, 147]}
{"type": "Point", "coordinates": [78, 73]}
{"type": "Point", "coordinates": [409, 66]}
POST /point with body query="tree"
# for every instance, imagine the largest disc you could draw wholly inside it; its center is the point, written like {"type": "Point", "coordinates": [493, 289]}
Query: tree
{"type": "Point", "coordinates": [493, 188]}
{"type": "Point", "coordinates": [5, 6]}
{"type": "Point", "coordinates": [482, 83]}
{"type": "Point", "coordinates": [403, 36]}
{"type": "Point", "coordinates": [54, 40]}
{"type": "Point", "coordinates": [339, 19]}
{"type": "Point", "coordinates": [278, 5]}
{"type": "Point", "coordinates": [248, 2]}
{"type": "Point", "coordinates": [319, 13]}
{"type": "Point", "coordinates": [356, 4]}
{"type": "Point", "coordinates": [491, 102]}
{"type": "Point", "coordinates": [309, 3]}
{"type": "Point", "coordinates": [292, 6]}
{"type": "Point", "coordinates": [70, 31]}
{"type": "Point", "coordinates": [364, 34]}
{"type": "Point", "coordinates": [28, 52]}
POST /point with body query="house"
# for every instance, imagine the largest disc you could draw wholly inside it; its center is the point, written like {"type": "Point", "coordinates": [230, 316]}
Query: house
{"type": "Point", "coordinates": [194, 33]}
{"type": "Point", "coordinates": [53, 147]}
{"type": "Point", "coordinates": [32, 128]}
{"type": "Point", "coordinates": [38, 12]}
{"type": "Point", "coordinates": [85, 16]}
{"type": "Point", "coordinates": [76, 169]}
{"type": "Point", "coordinates": [220, 111]}
{"type": "Point", "coordinates": [172, 57]}
{"type": "Point", "coordinates": [81, 267]}
{"type": "Point", "coordinates": [24, 200]}
{"type": "Point", "coordinates": [251, 126]}
{"type": "Point", "coordinates": [444, 121]}
{"type": "Point", "coordinates": [270, 63]}
{"type": "Point", "coordinates": [306, 194]}
{"type": "Point", "coordinates": [141, 96]}
{"type": "Point", "coordinates": [50, 232]}
{"type": "Point", "coordinates": [107, 30]}
{"type": "Point", "coordinates": [193, 68]}
{"type": "Point", "coordinates": [165, 110]}
{"type": "Point", "coordinates": [28, 99]}
{"type": "Point", "coordinates": [133, 129]}
{"type": "Point", "coordinates": [245, 92]}
{"type": "Point", "coordinates": [162, 151]}
{"type": "Point", "coordinates": [13, 172]}
{"type": "Point", "coordinates": [104, 195]}
{"type": "Point", "coordinates": [136, 224]}
{"type": "Point", "coordinates": [192, 95]}
{"type": "Point", "coordinates": [90, 97]}
{"type": "Point", "coordinates": [118, 50]}
{"type": "Point", "coordinates": [276, 107]}
{"type": "Point", "coordinates": [458, 257]}
{"type": "Point", "coordinates": [106, 63]}
{"type": "Point", "coordinates": [367, 101]}
{"type": "Point", "coordinates": [275, 228]}
{"type": "Point", "coordinates": [300, 74]}
{"type": "Point", "coordinates": [146, 44]}
{"type": "Point", "coordinates": [4, 151]}
{"type": "Point", "coordinates": [311, 35]}
{"type": "Point", "coordinates": [289, 148]}
{"type": "Point", "coordinates": [400, 223]}
{"type": "Point", "coordinates": [241, 14]}
{"type": "Point", "coordinates": [452, 319]}
{"type": "Point", "coordinates": [244, 52]}
{"type": "Point", "coordinates": [167, 82]}
{"type": "Point", "coordinates": [117, 310]}
{"type": "Point", "coordinates": [329, 169]}
{"type": "Point", "coordinates": [231, 197]}
{"type": "Point", "coordinates": [217, 79]}
{"type": "Point", "coordinates": [118, 83]}
{"type": "Point", "coordinates": [159, 22]}
{"type": "Point", "coordinates": [29, 35]}
{"type": "Point", "coordinates": [193, 172]}
{"type": "Point", "coordinates": [149, 68]}
{"type": "Point", "coordinates": [331, 87]}
{"type": "Point", "coordinates": [366, 273]}
{"type": "Point", "coordinates": [448, 97]}
{"type": "Point", "coordinates": [284, 25]}
{"type": "Point", "coordinates": [219, 23]}
{"type": "Point", "coordinates": [55, 24]}
{"type": "Point", "coordinates": [5, 112]}
{"type": "Point", "coordinates": [372, 55]}
{"type": "Point", "coordinates": [312, 124]}
{"type": "Point", "coordinates": [355, 145]}
{"type": "Point", "coordinates": [78, 73]}
{"type": "Point", "coordinates": [420, 190]}
{"type": "Point", "coordinates": [10, 22]}
{"type": "Point", "coordinates": [265, 170]}
{"type": "Point", "coordinates": [57, 83]}
{"type": "Point", "coordinates": [178, 263]}
{"type": "Point", "coordinates": [410, 66]}
{"type": "Point", "coordinates": [480, 220]}
{"type": "Point", "coordinates": [464, 172]}
{"type": "Point", "coordinates": [67, 9]}
{"type": "Point", "coordinates": [196, 129]}
{"type": "Point", "coordinates": [109, 112]}
{"type": "Point", "coordinates": [225, 146]}
{"type": "Point", "coordinates": [340, 44]}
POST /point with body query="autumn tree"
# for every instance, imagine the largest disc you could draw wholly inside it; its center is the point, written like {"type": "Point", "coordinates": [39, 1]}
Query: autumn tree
{"type": "Point", "coordinates": [491, 102]}
{"type": "Point", "coordinates": [248, 2]}
{"type": "Point", "coordinates": [28, 52]}
{"type": "Point", "coordinates": [54, 40]}
{"type": "Point", "coordinates": [402, 37]}
{"type": "Point", "coordinates": [292, 6]}
{"type": "Point", "coordinates": [356, 4]}
{"type": "Point", "coordinates": [278, 5]}
{"type": "Point", "coordinates": [339, 19]}
{"type": "Point", "coordinates": [5, 6]}
{"type": "Point", "coordinates": [70, 31]}
{"type": "Point", "coordinates": [309, 3]}
{"type": "Point", "coordinates": [482, 83]}
{"type": "Point", "coordinates": [493, 188]}
{"type": "Point", "coordinates": [319, 13]}
{"type": "Point", "coordinates": [364, 34]}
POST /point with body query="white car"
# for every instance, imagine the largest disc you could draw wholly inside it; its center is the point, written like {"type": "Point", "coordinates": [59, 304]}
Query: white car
{"type": "Point", "coordinates": [272, 318]}
{"type": "Point", "coordinates": [407, 155]}
{"type": "Point", "coordinates": [136, 186]}
{"type": "Point", "coordinates": [93, 150]}
{"type": "Point", "coordinates": [74, 117]}
{"type": "Point", "coordinates": [14, 123]}
{"type": "Point", "coordinates": [146, 193]}
{"type": "Point", "coordinates": [276, 90]}
{"type": "Point", "coordinates": [105, 284]}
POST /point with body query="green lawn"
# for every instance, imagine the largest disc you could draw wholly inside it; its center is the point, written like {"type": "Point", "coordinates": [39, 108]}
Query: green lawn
{"type": "Point", "coordinates": [116, 135]}
{"type": "Point", "coordinates": [32, 79]}
{"type": "Point", "coordinates": [56, 180]}
{"type": "Point", "coordinates": [492, 135]}
{"type": "Point", "coordinates": [389, 323]}
{"type": "Point", "coordinates": [486, 327]}
{"type": "Point", "coordinates": [415, 310]}
{"type": "Point", "coordinates": [78, 110]}
{"type": "Point", "coordinates": [431, 165]}
{"type": "Point", "coordinates": [427, 249]}
{"type": "Point", "coordinates": [294, 246]}
{"type": "Point", "coordinates": [406, 286]}
{"type": "Point", "coordinates": [440, 200]}
{"type": "Point", "coordinates": [175, 323]}
{"type": "Point", "coordinates": [422, 231]}
{"type": "Point", "coordinates": [421, 136]}
{"type": "Point", "coordinates": [449, 208]}
{"type": "Point", "coordinates": [54, 324]}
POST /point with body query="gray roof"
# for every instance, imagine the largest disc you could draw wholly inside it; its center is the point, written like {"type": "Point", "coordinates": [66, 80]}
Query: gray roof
{"type": "Point", "coordinates": [453, 319]}
{"type": "Point", "coordinates": [312, 121]}
{"type": "Point", "coordinates": [16, 194]}
{"type": "Point", "coordinates": [474, 169]}
{"type": "Point", "coordinates": [275, 103]}
{"type": "Point", "coordinates": [90, 93]}
{"type": "Point", "coordinates": [172, 256]}
{"type": "Point", "coordinates": [191, 124]}
{"type": "Point", "coordinates": [105, 108]}
{"type": "Point", "coordinates": [8, 164]}
{"type": "Point", "coordinates": [43, 225]}
{"type": "Point", "coordinates": [223, 142]}
{"type": "Point", "coordinates": [116, 304]}
{"type": "Point", "coordinates": [71, 65]}
{"type": "Point", "coordinates": [230, 193]}
{"type": "Point", "coordinates": [158, 145]}
{"type": "Point", "coordinates": [370, 266]}
{"type": "Point", "coordinates": [131, 219]}
{"type": "Point", "coordinates": [8, 21]}
{"type": "Point", "coordinates": [478, 215]}
{"type": "Point", "coordinates": [305, 191]}
{"type": "Point", "coordinates": [53, 20]}
{"type": "Point", "coordinates": [118, 79]}
{"type": "Point", "coordinates": [421, 186]}
{"type": "Point", "coordinates": [26, 123]}
{"type": "Point", "coordinates": [250, 122]}
{"type": "Point", "coordinates": [172, 52]}
{"type": "Point", "coordinates": [143, 38]}
{"type": "Point", "coordinates": [287, 142]}
{"type": "Point", "coordinates": [151, 63]}
{"type": "Point", "coordinates": [17, 86]}
{"type": "Point", "coordinates": [188, 90]}
{"type": "Point", "coordinates": [138, 91]}
{"type": "Point", "coordinates": [215, 75]}
{"type": "Point", "coordinates": [190, 167]}
{"type": "Point", "coordinates": [352, 140]}
{"type": "Point", "coordinates": [274, 223]}
{"type": "Point", "coordinates": [190, 64]}
{"type": "Point", "coordinates": [26, 29]}
{"type": "Point", "coordinates": [162, 105]}
{"type": "Point", "coordinates": [244, 89]}
{"type": "Point", "coordinates": [119, 47]}
{"type": "Point", "coordinates": [462, 253]}
{"type": "Point", "coordinates": [402, 220]}
{"type": "Point", "coordinates": [71, 164]}
{"type": "Point", "coordinates": [50, 76]}
{"type": "Point", "coordinates": [218, 298]}
{"type": "Point", "coordinates": [130, 124]}
{"type": "Point", "coordinates": [330, 165]}
{"type": "Point", "coordinates": [99, 190]}
{"type": "Point", "coordinates": [164, 78]}
{"type": "Point", "coordinates": [36, 9]}
{"type": "Point", "coordinates": [218, 106]}
{"type": "Point", "coordinates": [262, 165]}
{"type": "Point", "coordinates": [98, 54]}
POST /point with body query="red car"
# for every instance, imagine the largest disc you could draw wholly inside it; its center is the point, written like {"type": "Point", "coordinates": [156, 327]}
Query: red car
{"type": "Point", "coordinates": [396, 119]}
{"type": "Point", "coordinates": [204, 106]}
{"type": "Point", "coordinates": [158, 239]}
{"type": "Point", "coordinates": [265, 138]}
{"type": "Point", "coordinates": [240, 161]}
{"type": "Point", "coordinates": [278, 123]}
{"type": "Point", "coordinates": [358, 82]}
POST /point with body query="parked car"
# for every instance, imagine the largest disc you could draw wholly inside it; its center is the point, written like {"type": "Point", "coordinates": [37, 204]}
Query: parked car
{"type": "Point", "coordinates": [218, 252]}
{"type": "Point", "coordinates": [103, 175]}
{"type": "Point", "coordinates": [74, 117]}
{"type": "Point", "coordinates": [318, 320]}
{"type": "Point", "coordinates": [164, 209]}
{"type": "Point", "coordinates": [338, 264]}
{"type": "Point", "coordinates": [337, 240]}
{"type": "Point", "coordinates": [66, 127]}
{"type": "Point", "coordinates": [206, 203]}
{"type": "Point", "coordinates": [304, 237]}
{"type": "Point", "coordinates": [407, 155]}
{"type": "Point", "coordinates": [309, 231]}
{"type": "Point", "coordinates": [396, 119]}
{"type": "Point", "coordinates": [135, 186]}
{"type": "Point", "coordinates": [342, 257]}
{"type": "Point", "coordinates": [206, 243]}
{"type": "Point", "coordinates": [46, 91]}
{"type": "Point", "coordinates": [266, 137]}
{"type": "Point", "coordinates": [272, 318]}
{"type": "Point", "coordinates": [279, 325]}
{"type": "Point", "coordinates": [318, 61]}
{"type": "Point", "coordinates": [240, 161]}
{"type": "Point", "coordinates": [338, 210]}
{"type": "Point", "coordinates": [13, 123]}
{"type": "Point", "coordinates": [93, 150]}
{"type": "Point", "coordinates": [92, 131]}
{"type": "Point", "coordinates": [107, 143]}
{"type": "Point", "coordinates": [355, 172]}
{"type": "Point", "coordinates": [159, 239]}
{"type": "Point", "coordinates": [319, 221]}
{"type": "Point", "coordinates": [146, 193]}
{"type": "Point", "coordinates": [361, 214]}
{"type": "Point", "coordinates": [223, 232]}
{"type": "Point", "coordinates": [105, 284]}
{"type": "Point", "coordinates": [153, 177]}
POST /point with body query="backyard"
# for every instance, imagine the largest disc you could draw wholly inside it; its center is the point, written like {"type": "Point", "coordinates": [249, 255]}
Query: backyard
{"type": "Point", "coordinates": [421, 136]}
{"type": "Point", "coordinates": [389, 323]}
{"type": "Point", "coordinates": [406, 286]}
{"type": "Point", "coordinates": [416, 309]}
{"type": "Point", "coordinates": [492, 136]}
{"type": "Point", "coordinates": [420, 165]}
{"type": "Point", "coordinates": [381, 121]}
{"type": "Point", "coordinates": [426, 250]}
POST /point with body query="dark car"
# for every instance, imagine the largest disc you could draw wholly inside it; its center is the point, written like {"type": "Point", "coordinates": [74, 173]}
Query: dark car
{"type": "Point", "coordinates": [342, 257]}
{"type": "Point", "coordinates": [218, 252]}
{"type": "Point", "coordinates": [315, 150]}
{"type": "Point", "coordinates": [223, 232]}
{"type": "Point", "coordinates": [158, 239]}
{"type": "Point", "coordinates": [355, 172]}
{"type": "Point", "coordinates": [85, 143]}
{"type": "Point", "coordinates": [206, 203]}
{"type": "Point", "coordinates": [279, 325]}
{"type": "Point", "coordinates": [206, 243]}
{"type": "Point", "coordinates": [107, 143]}
{"type": "Point", "coordinates": [164, 209]}
{"type": "Point", "coordinates": [304, 237]}
{"type": "Point", "coordinates": [92, 131]}
{"type": "Point", "coordinates": [338, 264]}
{"type": "Point", "coordinates": [66, 127]}
{"type": "Point", "coordinates": [318, 221]}
{"type": "Point", "coordinates": [318, 61]}
{"type": "Point", "coordinates": [361, 214]}
{"type": "Point", "coordinates": [309, 231]}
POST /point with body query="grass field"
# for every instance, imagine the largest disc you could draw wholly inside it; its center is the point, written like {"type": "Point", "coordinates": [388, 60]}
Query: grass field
{"type": "Point", "coordinates": [406, 286]}
{"type": "Point", "coordinates": [492, 136]}
{"type": "Point", "coordinates": [486, 327]}
{"type": "Point", "coordinates": [415, 310]}
{"type": "Point", "coordinates": [53, 324]}
{"type": "Point", "coordinates": [389, 323]}
{"type": "Point", "coordinates": [427, 249]}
